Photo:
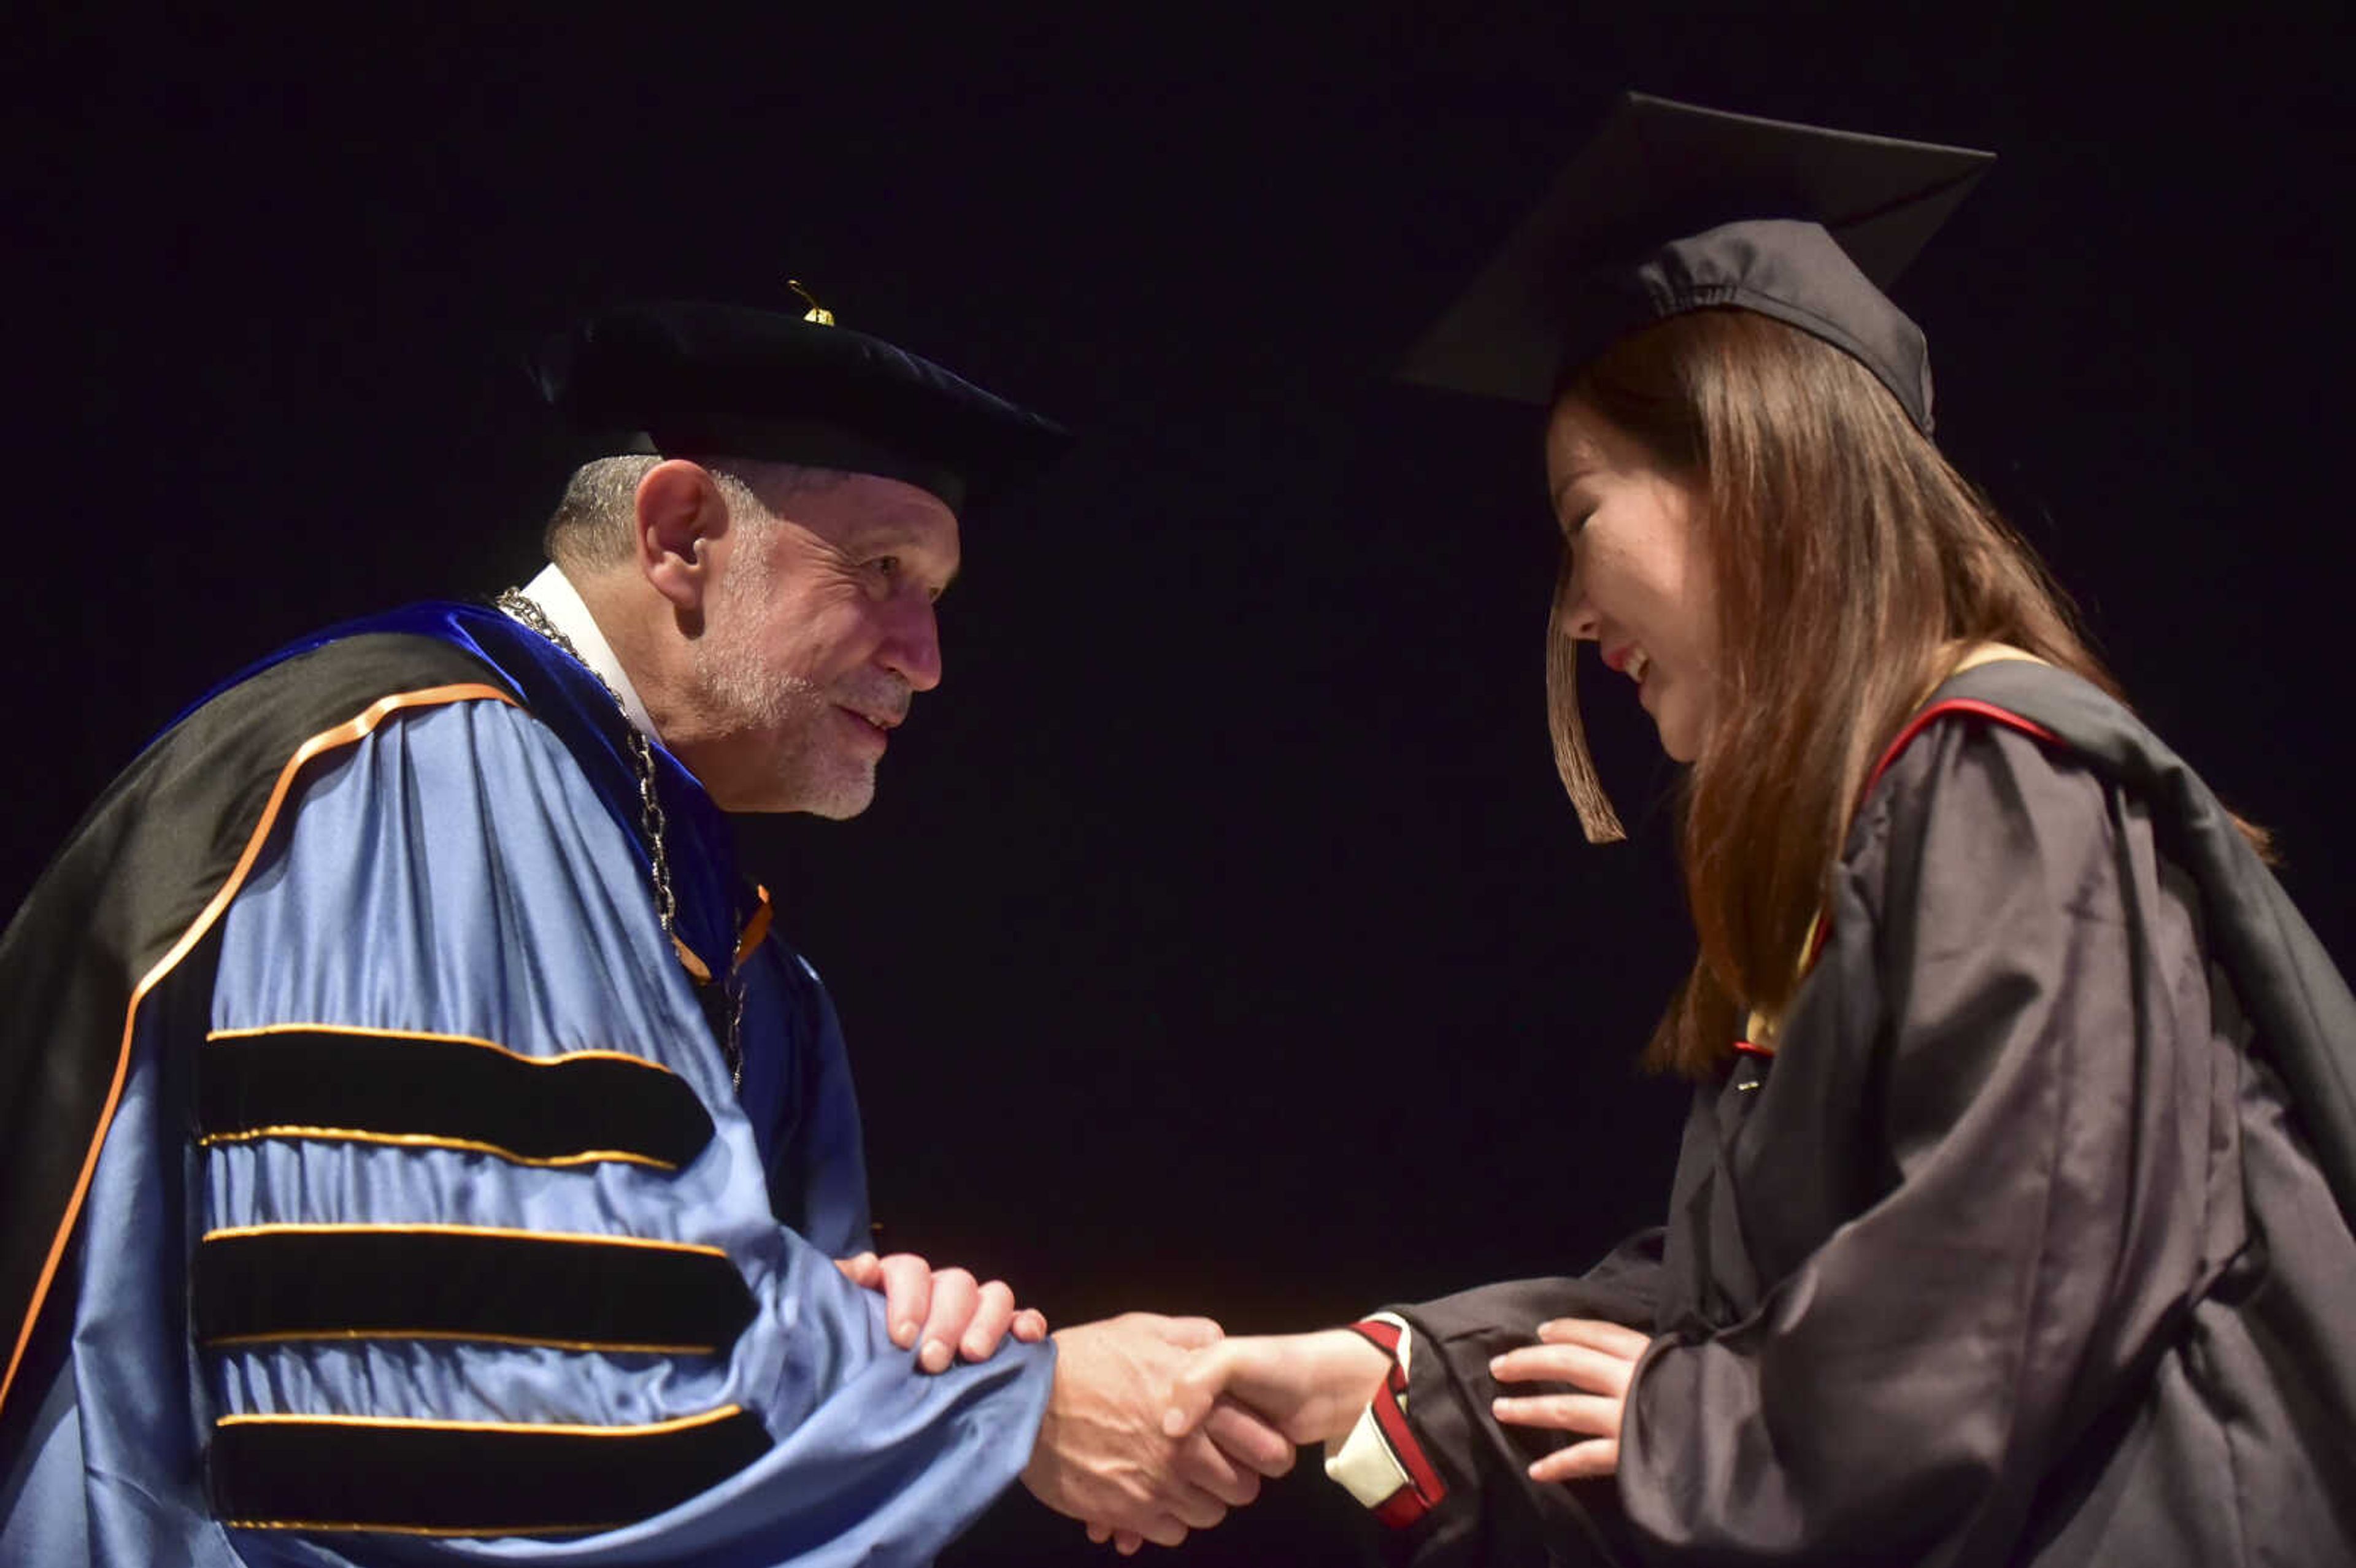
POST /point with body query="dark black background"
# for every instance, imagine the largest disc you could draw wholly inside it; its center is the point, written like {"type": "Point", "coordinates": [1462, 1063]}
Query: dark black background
{"type": "Point", "coordinates": [1220, 941]}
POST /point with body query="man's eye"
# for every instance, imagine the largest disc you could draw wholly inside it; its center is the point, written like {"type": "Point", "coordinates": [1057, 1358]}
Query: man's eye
{"type": "Point", "coordinates": [888, 565]}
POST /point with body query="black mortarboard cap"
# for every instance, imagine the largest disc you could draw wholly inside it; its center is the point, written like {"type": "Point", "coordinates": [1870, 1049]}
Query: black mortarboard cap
{"type": "Point", "coordinates": [1671, 207]}
{"type": "Point", "coordinates": [688, 378]}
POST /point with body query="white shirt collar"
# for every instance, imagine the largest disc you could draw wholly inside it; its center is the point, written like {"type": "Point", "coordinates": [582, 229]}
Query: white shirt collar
{"type": "Point", "coordinates": [561, 604]}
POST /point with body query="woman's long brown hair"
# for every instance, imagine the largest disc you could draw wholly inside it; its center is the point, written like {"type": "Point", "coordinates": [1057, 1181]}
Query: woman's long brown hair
{"type": "Point", "coordinates": [1851, 560]}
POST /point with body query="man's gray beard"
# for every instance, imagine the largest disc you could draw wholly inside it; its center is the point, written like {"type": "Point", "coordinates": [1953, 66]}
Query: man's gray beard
{"type": "Point", "coordinates": [788, 708]}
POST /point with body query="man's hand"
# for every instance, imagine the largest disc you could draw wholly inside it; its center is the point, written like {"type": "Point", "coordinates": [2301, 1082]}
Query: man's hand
{"type": "Point", "coordinates": [944, 1310]}
{"type": "Point", "coordinates": [1312, 1386]}
{"type": "Point", "coordinates": [1103, 1456]}
{"type": "Point", "coordinates": [1597, 1358]}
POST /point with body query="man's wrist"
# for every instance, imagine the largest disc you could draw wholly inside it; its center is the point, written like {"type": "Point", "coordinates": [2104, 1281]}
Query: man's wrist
{"type": "Point", "coordinates": [1041, 1445]}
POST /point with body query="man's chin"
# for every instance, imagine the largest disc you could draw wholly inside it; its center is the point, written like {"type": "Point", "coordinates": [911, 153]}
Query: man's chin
{"type": "Point", "coordinates": [835, 810]}
{"type": "Point", "coordinates": [836, 799]}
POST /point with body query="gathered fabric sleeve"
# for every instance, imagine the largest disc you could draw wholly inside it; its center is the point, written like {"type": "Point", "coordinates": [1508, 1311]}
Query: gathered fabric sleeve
{"type": "Point", "coordinates": [1439, 1472]}
{"type": "Point", "coordinates": [487, 1265]}
{"type": "Point", "coordinates": [2046, 1150]}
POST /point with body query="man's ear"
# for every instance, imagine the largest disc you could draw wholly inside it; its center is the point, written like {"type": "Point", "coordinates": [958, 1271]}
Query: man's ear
{"type": "Point", "coordinates": [680, 515]}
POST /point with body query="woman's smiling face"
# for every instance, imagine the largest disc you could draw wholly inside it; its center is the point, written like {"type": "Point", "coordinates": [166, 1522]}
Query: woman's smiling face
{"type": "Point", "coordinates": [1641, 584]}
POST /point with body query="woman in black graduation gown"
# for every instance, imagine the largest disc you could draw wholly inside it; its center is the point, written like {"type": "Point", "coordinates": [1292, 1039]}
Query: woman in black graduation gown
{"type": "Point", "coordinates": [2011, 1222]}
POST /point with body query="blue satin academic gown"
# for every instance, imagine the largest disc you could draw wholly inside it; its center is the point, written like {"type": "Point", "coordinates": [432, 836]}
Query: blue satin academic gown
{"type": "Point", "coordinates": [602, 1308]}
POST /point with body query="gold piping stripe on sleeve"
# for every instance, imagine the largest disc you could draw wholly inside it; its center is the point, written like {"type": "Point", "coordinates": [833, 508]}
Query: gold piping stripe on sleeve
{"type": "Point", "coordinates": [348, 1335]}
{"type": "Point", "coordinates": [444, 1533]}
{"type": "Point", "coordinates": [579, 1238]}
{"type": "Point", "coordinates": [344, 734]}
{"type": "Point", "coordinates": [538, 1428]}
{"type": "Point", "coordinates": [374, 1033]}
{"type": "Point", "coordinates": [429, 1140]}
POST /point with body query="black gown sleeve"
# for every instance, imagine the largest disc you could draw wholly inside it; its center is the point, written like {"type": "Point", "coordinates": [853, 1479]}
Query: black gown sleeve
{"type": "Point", "coordinates": [1493, 1512]}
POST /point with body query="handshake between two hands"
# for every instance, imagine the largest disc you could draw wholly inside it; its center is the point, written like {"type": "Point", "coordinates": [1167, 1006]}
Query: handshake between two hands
{"type": "Point", "coordinates": [1159, 1425]}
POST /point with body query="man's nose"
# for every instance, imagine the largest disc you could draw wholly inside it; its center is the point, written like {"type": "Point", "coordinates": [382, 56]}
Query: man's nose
{"type": "Point", "coordinates": [911, 643]}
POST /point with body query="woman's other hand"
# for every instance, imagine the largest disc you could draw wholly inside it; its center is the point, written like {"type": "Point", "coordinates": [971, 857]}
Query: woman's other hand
{"type": "Point", "coordinates": [1597, 1359]}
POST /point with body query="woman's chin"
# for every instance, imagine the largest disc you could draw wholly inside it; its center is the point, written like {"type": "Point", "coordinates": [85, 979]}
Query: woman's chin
{"type": "Point", "coordinates": [1681, 741]}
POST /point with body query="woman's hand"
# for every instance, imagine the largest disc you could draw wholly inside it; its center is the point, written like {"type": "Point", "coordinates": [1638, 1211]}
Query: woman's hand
{"type": "Point", "coordinates": [1595, 1358]}
{"type": "Point", "coordinates": [1311, 1387]}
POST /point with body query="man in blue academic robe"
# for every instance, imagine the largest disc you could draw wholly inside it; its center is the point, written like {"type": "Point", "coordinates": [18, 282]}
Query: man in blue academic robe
{"type": "Point", "coordinates": [420, 1149]}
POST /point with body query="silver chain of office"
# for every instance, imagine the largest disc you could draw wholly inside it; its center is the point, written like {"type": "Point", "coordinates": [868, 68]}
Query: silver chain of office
{"type": "Point", "coordinates": [650, 818]}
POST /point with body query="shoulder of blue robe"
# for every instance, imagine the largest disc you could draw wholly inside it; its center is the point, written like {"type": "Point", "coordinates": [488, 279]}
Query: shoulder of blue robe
{"type": "Point", "coordinates": [574, 704]}
{"type": "Point", "coordinates": [2296, 998]}
{"type": "Point", "coordinates": [141, 876]}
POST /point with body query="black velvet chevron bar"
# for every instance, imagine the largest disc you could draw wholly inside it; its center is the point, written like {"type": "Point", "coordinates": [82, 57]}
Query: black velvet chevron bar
{"type": "Point", "coordinates": [425, 1086]}
{"type": "Point", "coordinates": [584, 1292]}
{"type": "Point", "coordinates": [292, 1473]}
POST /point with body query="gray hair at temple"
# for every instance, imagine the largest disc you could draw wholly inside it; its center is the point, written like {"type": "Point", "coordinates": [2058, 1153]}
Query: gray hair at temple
{"type": "Point", "coordinates": [591, 528]}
